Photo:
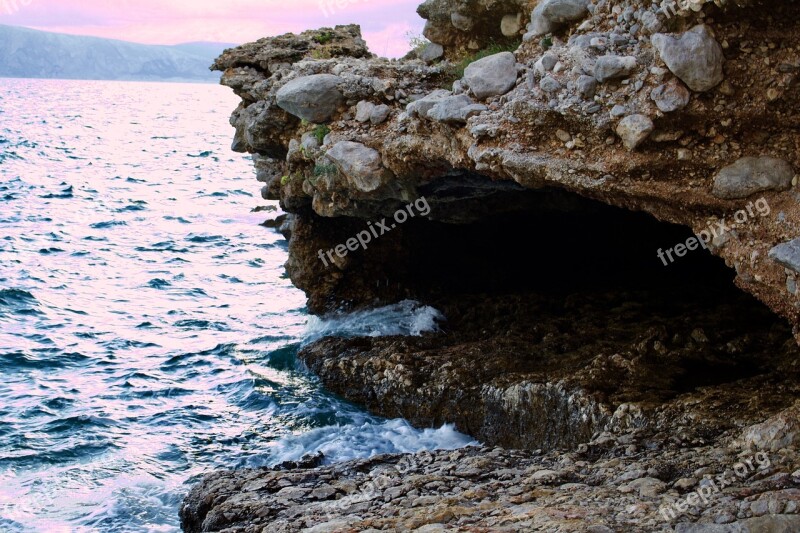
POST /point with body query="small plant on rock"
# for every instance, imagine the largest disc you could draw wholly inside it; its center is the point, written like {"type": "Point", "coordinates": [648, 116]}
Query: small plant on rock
{"type": "Point", "coordinates": [320, 131]}
{"type": "Point", "coordinates": [325, 169]}
{"type": "Point", "coordinates": [324, 37]}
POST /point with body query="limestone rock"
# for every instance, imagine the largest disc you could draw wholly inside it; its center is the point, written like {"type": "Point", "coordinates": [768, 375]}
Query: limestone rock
{"type": "Point", "coordinates": [549, 84]}
{"type": "Point", "coordinates": [510, 25]}
{"type": "Point", "coordinates": [751, 175]}
{"type": "Point", "coordinates": [272, 53]}
{"type": "Point", "coordinates": [587, 86]}
{"type": "Point", "coordinates": [455, 110]}
{"type": "Point", "coordinates": [314, 98]}
{"type": "Point", "coordinates": [611, 67]}
{"type": "Point", "coordinates": [420, 108]}
{"type": "Point", "coordinates": [364, 110]}
{"type": "Point", "coordinates": [672, 96]}
{"type": "Point", "coordinates": [780, 431]}
{"type": "Point", "coordinates": [634, 130]}
{"type": "Point", "coordinates": [379, 114]}
{"type": "Point", "coordinates": [787, 254]}
{"type": "Point", "coordinates": [549, 15]}
{"type": "Point", "coordinates": [492, 76]}
{"type": "Point", "coordinates": [695, 57]}
{"type": "Point", "coordinates": [461, 22]}
{"type": "Point", "coordinates": [360, 164]}
{"type": "Point", "coordinates": [432, 52]}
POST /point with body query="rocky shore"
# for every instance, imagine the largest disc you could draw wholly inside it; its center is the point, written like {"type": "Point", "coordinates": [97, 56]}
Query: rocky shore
{"type": "Point", "coordinates": [610, 233]}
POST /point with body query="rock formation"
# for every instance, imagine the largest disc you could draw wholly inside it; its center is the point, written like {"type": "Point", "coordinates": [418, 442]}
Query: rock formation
{"type": "Point", "coordinates": [584, 163]}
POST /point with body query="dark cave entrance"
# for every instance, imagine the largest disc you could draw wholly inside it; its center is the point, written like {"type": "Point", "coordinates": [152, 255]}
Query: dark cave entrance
{"type": "Point", "coordinates": [548, 296]}
{"type": "Point", "coordinates": [557, 242]}
{"type": "Point", "coordinates": [570, 277]}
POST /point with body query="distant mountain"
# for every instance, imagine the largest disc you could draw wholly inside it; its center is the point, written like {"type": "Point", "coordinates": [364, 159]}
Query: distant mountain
{"type": "Point", "coordinates": [27, 53]}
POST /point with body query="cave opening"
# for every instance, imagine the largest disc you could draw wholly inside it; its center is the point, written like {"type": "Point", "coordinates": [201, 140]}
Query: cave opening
{"type": "Point", "coordinates": [557, 311]}
{"type": "Point", "coordinates": [556, 242]}
{"type": "Point", "coordinates": [554, 279]}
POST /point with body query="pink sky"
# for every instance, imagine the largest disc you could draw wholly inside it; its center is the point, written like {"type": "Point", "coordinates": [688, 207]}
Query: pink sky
{"type": "Point", "coordinates": [384, 23]}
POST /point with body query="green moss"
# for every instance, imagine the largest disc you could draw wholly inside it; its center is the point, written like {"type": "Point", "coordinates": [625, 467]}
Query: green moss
{"type": "Point", "coordinates": [284, 180]}
{"type": "Point", "coordinates": [321, 53]}
{"type": "Point", "coordinates": [320, 131]}
{"type": "Point", "coordinates": [547, 42]}
{"type": "Point", "coordinates": [321, 170]}
{"type": "Point", "coordinates": [324, 37]}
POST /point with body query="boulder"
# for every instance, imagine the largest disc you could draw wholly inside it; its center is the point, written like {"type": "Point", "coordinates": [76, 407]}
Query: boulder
{"type": "Point", "coordinates": [314, 98]}
{"type": "Point", "coordinates": [695, 57]}
{"type": "Point", "coordinates": [751, 175]}
{"type": "Point", "coordinates": [549, 84]}
{"type": "Point", "coordinates": [492, 76]}
{"type": "Point", "coordinates": [587, 87]}
{"type": "Point", "coordinates": [431, 52]}
{"type": "Point", "coordinates": [549, 15]}
{"type": "Point", "coordinates": [510, 25]}
{"type": "Point", "coordinates": [361, 165]}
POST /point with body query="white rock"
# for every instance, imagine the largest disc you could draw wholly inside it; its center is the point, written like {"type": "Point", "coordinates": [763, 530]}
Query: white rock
{"type": "Point", "coordinates": [492, 76]}
{"type": "Point", "coordinates": [695, 57]}
{"type": "Point", "coordinates": [634, 130]}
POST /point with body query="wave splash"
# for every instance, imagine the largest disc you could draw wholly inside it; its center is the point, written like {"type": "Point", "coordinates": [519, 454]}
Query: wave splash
{"type": "Point", "coordinates": [404, 318]}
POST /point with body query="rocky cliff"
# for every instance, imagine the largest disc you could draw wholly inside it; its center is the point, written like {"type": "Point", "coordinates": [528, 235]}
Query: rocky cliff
{"type": "Point", "coordinates": [600, 198]}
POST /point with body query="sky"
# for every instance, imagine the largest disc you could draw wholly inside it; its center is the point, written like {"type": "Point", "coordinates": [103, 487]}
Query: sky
{"type": "Point", "coordinates": [384, 23]}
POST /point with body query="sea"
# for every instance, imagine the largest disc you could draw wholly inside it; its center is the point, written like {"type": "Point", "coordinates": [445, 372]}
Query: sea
{"type": "Point", "coordinates": [148, 330]}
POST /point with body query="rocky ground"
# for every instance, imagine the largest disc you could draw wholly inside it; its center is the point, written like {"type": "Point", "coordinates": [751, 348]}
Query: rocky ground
{"type": "Point", "coordinates": [560, 147]}
{"type": "Point", "coordinates": [634, 481]}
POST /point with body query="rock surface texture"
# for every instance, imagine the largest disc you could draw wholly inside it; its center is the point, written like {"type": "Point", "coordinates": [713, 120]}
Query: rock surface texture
{"type": "Point", "coordinates": [610, 232]}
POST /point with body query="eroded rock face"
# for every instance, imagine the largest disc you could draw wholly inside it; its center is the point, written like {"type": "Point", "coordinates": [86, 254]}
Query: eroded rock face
{"type": "Point", "coordinates": [779, 432]}
{"type": "Point", "coordinates": [634, 481]}
{"type": "Point", "coordinates": [669, 171]}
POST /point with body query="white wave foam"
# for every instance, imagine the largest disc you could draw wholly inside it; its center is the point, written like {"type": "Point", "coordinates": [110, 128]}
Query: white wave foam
{"type": "Point", "coordinates": [356, 441]}
{"type": "Point", "coordinates": [404, 318]}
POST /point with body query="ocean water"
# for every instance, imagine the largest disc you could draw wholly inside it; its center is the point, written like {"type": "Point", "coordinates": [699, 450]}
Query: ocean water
{"type": "Point", "coordinates": [148, 332]}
